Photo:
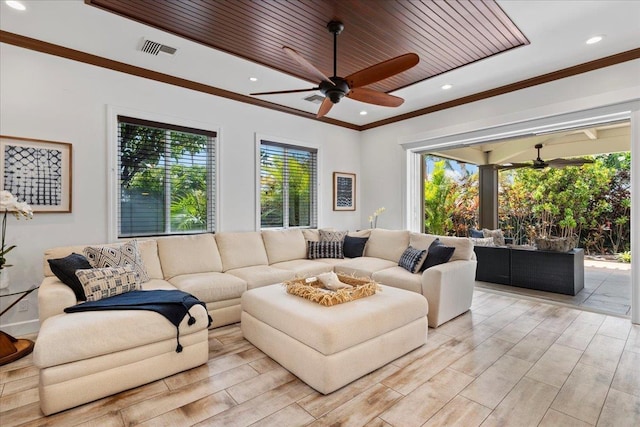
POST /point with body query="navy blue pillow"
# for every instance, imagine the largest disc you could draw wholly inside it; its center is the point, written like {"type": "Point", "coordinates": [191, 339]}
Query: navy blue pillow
{"type": "Point", "coordinates": [438, 253]}
{"type": "Point", "coordinates": [65, 270]}
{"type": "Point", "coordinates": [353, 247]}
{"type": "Point", "coordinates": [476, 234]}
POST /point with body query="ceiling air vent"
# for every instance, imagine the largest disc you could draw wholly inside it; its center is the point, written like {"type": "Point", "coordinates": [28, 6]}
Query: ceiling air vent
{"type": "Point", "coordinates": [316, 99]}
{"type": "Point", "coordinates": [153, 48]}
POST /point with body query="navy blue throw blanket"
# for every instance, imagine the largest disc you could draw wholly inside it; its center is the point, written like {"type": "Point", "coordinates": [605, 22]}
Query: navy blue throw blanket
{"type": "Point", "coordinates": [172, 304]}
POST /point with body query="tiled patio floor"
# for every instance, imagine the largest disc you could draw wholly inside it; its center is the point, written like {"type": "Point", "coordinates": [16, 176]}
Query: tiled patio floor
{"type": "Point", "coordinates": [607, 289]}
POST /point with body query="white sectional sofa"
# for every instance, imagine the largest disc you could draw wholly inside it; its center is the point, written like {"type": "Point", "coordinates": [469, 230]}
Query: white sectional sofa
{"type": "Point", "coordinates": [102, 354]}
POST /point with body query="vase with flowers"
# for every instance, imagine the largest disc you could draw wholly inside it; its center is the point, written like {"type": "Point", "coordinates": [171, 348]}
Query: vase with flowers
{"type": "Point", "coordinates": [8, 203]}
{"type": "Point", "coordinates": [373, 219]}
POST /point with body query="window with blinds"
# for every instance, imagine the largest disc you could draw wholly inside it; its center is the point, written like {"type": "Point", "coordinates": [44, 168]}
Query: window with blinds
{"type": "Point", "coordinates": [166, 179]}
{"type": "Point", "coordinates": [288, 190]}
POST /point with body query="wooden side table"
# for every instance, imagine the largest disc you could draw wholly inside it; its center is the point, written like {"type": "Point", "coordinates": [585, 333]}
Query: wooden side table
{"type": "Point", "coordinates": [11, 348]}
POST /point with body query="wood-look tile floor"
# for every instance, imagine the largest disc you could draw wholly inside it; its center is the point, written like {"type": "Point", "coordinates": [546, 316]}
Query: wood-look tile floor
{"type": "Point", "coordinates": [507, 362]}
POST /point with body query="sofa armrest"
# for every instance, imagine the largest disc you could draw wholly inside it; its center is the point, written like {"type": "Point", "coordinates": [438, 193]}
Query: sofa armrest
{"type": "Point", "coordinates": [449, 289]}
{"type": "Point", "coordinates": [53, 297]}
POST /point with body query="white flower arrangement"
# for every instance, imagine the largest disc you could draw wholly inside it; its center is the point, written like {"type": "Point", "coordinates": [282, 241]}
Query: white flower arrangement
{"type": "Point", "coordinates": [373, 219]}
{"type": "Point", "coordinates": [8, 203]}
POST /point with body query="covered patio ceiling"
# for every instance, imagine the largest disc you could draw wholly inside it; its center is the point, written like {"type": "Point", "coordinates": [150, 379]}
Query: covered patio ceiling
{"type": "Point", "coordinates": [603, 139]}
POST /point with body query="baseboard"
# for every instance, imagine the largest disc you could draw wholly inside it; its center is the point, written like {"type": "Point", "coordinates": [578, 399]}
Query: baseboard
{"type": "Point", "coordinates": [20, 329]}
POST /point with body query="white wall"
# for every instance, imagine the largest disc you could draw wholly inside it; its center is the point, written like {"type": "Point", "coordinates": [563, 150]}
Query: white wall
{"type": "Point", "coordinates": [51, 98]}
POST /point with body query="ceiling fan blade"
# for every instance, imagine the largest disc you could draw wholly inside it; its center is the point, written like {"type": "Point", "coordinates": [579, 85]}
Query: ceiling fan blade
{"type": "Point", "coordinates": [371, 96]}
{"type": "Point", "coordinates": [324, 107]}
{"type": "Point", "coordinates": [306, 64]}
{"type": "Point", "coordinates": [382, 70]}
{"type": "Point", "coordinates": [513, 166]}
{"type": "Point", "coordinates": [284, 91]}
{"type": "Point", "coordinates": [561, 163]}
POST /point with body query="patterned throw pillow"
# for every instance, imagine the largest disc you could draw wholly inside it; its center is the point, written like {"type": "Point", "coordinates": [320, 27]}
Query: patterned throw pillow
{"type": "Point", "coordinates": [483, 241]}
{"type": "Point", "coordinates": [317, 250]}
{"type": "Point", "coordinates": [99, 283]}
{"type": "Point", "coordinates": [117, 256]}
{"type": "Point", "coordinates": [332, 236]}
{"type": "Point", "coordinates": [412, 259]}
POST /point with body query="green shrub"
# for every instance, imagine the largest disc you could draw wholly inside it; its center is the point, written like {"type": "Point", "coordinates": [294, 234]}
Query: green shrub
{"type": "Point", "coordinates": [625, 256]}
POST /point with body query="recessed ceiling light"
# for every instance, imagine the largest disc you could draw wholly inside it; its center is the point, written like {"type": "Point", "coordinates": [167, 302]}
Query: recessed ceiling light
{"type": "Point", "coordinates": [253, 79]}
{"type": "Point", "coordinates": [363, 113]}
{"type": "Point", "coordinates": [595, 39]}
{"type": "Point", "coordinates": [447, 86]}
{"type": "Point", "coordinates": [15, 5]}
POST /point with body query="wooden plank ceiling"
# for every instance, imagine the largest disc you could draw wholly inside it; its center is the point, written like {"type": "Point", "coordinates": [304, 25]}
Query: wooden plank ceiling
{"type": "Point", "coordinates": [445, 34]}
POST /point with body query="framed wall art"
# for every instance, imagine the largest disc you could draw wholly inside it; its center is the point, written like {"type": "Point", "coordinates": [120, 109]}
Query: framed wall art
{"type": "Point", "coordinates": [344, 191]}
{"type": "Point", "coordinates": [37, 172]}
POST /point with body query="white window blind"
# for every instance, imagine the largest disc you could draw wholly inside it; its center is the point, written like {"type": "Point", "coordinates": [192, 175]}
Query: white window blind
{"type": "Point", "coordinates": [166, 179]}
{"type": "Point", "coordinates": [288, 190]}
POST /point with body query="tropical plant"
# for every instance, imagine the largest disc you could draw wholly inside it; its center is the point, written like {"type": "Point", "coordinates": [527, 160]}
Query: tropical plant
{"type": "Point", "coordinates": [439, 201]}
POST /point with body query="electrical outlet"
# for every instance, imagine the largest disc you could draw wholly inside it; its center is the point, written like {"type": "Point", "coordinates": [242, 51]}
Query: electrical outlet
{"type": "Point", "coordinates": [23, 305]}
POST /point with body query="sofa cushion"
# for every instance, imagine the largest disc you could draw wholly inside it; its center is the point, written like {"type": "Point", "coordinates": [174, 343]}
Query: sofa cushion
{"type": "Point", "coordinates": [437, 254]}
{"type": "Point", "coordinates": [353, 247]}
{"type": "Point", "coordinates": [360, 233]}
{"type": "Point", "coordinates": [262, 275]}
{"type": "Point", "coordinates": [210, 286]}
{"type": "Point", "coordinates": [412, 259]}
{"type": "Point", "coordinates": [387, 244]}
{"type": "Point", "coordinates": [398, 277]}
{"type": "Point", "coordinates": [99, 283]}
{"type": "Point", "coordinates": [284, 245]}
{"type": "Point", "coordinates": [327, 249]}
{"type": "Point", "coordinates": [305, 267]}
{"type": "Point", "coordinates": [363, 266]}
{"type": "Point", "coordinates": [475, 233]}
{"type": "Point", "coordinates": [311, 234]}
{"type": "Point", "coordinates": [149, 253]}
{"type": "Point", "coordinates": [65, 270]}
{"type": "Point", "coordinates": [197, 253]}
{"type": "Point", "coordinates": [71, 337]}
{"type": "Point", "coordinates": [239, 250]}
{"type": "Point", "coordinates": [117, 256]}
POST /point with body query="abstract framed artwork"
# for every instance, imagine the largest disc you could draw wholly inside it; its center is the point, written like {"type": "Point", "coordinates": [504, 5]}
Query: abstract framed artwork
{"type": "Point", "coordinates": [344, 191]}
{"type": "Point", "coordinates": [37, 172]}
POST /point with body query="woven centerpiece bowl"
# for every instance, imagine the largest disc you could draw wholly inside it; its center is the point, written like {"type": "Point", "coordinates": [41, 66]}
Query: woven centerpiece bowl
{"type": "Point", "coordinates": [313, 290]}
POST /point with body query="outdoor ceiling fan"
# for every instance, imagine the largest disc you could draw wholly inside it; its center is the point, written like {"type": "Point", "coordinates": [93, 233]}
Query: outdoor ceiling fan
{"type": "Point", "coordinates": [538, 163]}
{"type": "Point", "coordinates": [335, 88]}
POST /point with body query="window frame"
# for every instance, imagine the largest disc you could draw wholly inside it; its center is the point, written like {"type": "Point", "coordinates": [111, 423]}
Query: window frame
{"type": "Point", "coordinates": [259, 139]}
{"type": "Point", "coordinates": [113, 174]}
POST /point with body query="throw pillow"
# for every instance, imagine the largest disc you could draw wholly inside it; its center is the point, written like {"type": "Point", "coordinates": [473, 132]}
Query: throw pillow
{"type": "Point", "coordinates": [99, 283]}
{"type": "Point", "coordinates": [330, 281]}
{"type": "Point", "coordinates": [65, 270]}
{"type": "Point", "coordinates": [117, 256]}
{"type": "Point", "coordinates": [317, 250]}
{"type": "Point", "coordinates": [484, 241]}
{"type": "Point", "coordinates": [332, 236]}
{"type": "Point", "coordinates": [353, 247]}
{"type": "Point", "coordinates": [498, 237]}
{"type": "Point", "coordinates": [477, 234]}
{"type": "Point", "coordinates": [412, 259]}
{"type": "Point", "coordinates": [437, 254]}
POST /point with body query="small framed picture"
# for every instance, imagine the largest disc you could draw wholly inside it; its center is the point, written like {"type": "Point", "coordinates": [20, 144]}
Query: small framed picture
{"type": "Point", "coordinates": [344, 191]}
{"type": "Point", "coordinates": [37, 172]}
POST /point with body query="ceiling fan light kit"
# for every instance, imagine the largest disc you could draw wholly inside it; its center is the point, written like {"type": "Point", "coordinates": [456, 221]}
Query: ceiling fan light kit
{"type": "Point", "coordinates": [335, 88]}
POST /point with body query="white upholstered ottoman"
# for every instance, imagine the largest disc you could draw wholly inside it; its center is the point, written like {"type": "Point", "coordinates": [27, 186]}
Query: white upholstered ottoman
{"type": "Point", "coordinates": [329, 347]}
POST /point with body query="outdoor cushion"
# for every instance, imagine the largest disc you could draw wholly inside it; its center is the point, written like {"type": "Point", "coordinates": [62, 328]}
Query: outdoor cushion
{"type": "Point", "coordinates": [212, 286]}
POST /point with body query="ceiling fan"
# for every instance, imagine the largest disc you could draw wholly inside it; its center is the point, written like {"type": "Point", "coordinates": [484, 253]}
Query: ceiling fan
{"type": "Point", "coordinates": [538, 163]}
{"type": "Point", "coordinates": [335, 88]}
